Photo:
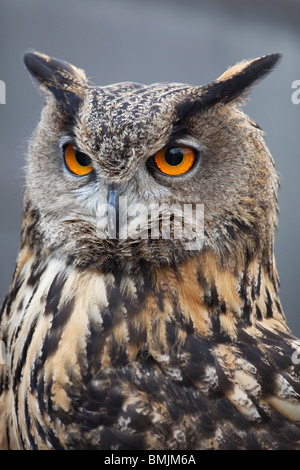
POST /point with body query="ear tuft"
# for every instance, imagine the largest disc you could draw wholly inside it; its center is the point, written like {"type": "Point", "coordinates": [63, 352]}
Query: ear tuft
{"type": "Point", "coordinates": [232, 85]}
{"type": "Point", "coordinates": [239, 78]}
{"type": "Point", "coordinates": [65, 81]}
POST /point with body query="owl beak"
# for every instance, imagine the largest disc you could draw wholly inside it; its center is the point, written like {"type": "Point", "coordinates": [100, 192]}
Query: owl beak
{"type": "Point", "coordinates": [113, 212]}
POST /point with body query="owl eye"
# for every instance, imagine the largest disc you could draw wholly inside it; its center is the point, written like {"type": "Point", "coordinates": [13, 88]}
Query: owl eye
{"type": "Point", "coordinates": [77, 162]}
{"type": "Point", "coordinates": [175, 160]}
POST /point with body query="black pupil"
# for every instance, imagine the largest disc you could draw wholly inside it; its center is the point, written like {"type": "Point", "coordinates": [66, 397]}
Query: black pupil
{"type": "Point", "coordinates": [174, 156]}
{"type": "Point", "coordinates": [82, 158]}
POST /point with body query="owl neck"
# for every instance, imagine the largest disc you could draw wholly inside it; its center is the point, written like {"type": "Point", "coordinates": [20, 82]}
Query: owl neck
{"type": "Point", "coordinates": [216, 301]}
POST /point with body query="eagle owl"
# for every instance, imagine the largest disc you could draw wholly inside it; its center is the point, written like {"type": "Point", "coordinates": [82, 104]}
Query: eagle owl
{"type": "Point", "coordinates": [144, 309]}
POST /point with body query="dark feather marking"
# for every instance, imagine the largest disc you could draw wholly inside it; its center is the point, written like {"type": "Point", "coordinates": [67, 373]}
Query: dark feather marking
{"type": "Point", "coordinates": [8, 434]}
{"type": "Point", "coordinates": [28, 426]}
{"type": "Point", "coordinates": [19, 328]}
{"type": "Point", "coordinates": [245, 338]}
{"type": "Point", "coordinates": [30, 236]}
{"type": "Point", "coordinates": [69, 101]}
{"type": "Point", "coordinates": [231, 231]}
{"type": "Point", "coordinates": [160, 299]}
{"type": "Point", "coordinates": [40, 430]}
{"type": "Point", "coordinates": [16, 403]}
{"type": "Point", "coordinates": [186, 324]}
{"type": "Point", "coordinates": [269, 305]}
{"type": "Point", "coordinates": [200, 357]}
{"type": "Point", "coordinates": [12, 295]}
{"type": "Point", "coordinates": [61, 317]}
{"type": "Point", "coordinates": [247, 312]}
{"type": "Point", "coordinates": [253, 292]}
{"type": "Point", "coordinates": [20, 306]}
{"type": "Point", "coordinates": [22, 360]}
{"type": "Point", "coordinates": [216, 325]}
{"type": "Point", "coordinates": [252, 442]}
{"type": "Point", "coordinates": [117, 353]}
{"type": "Point", "coordinates": [36, 272]}
{"type": "Point", "coordinates": [241, 226]}
{"type": "Point", "coordinates": [94, 348]}
{"type": "Point", "coordinates": [225, 408]}
{"type": "Point", "coordinates": [54, 294]}
{"type": "Point", "coordinates": [244, 297]}
{"type": "Point", "coordinates": [258, 289]}
{"type": "Point", "coordinates": [49, 397]}
{"type": "Point", "coordinates": [218, 333]}
{"type": "Point", "coordinates": [53, 336]}
{"type": "Point", "coordinates": [34, 376]}
{"type": "Point", "coordinates": [209, 426]}
{"type": "Point", "coordinates": [171, 334]}
{"type": "Point", "coordinates": [212, 298]}
{"type": "Point", "coordinates": [202, 279]}
{"type": "Point", "coordinates": [179, 131]}
{"type": "Point", "coordinates": [224, 383]}
{"type": "Point", "coordinates": [40, 390]}
{"type": "Point", "coordinates": [114, 297]}
{"type": "Point", "coordinates": [278, 306]}
{"type": "Point", "coordinates": [54, 441]}
{"type": "Point", "coordinates": [258, 313]}
{"type": "Point", "coordinates": [138, 421]}
{"type": "Point", "coordinates": [96, 393]}
{"type": "Point", "coordinates": [264, 369]}
{"type": "Point", "coordinates": [282, 336]}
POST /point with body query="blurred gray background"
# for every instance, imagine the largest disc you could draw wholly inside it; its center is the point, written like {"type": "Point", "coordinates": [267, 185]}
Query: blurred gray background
{"type": "Point", "coordinates": [148, 41]}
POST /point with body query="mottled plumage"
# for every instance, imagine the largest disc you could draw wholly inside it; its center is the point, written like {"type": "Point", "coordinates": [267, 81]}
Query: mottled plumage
{"type": "Point", "coordinates": [141, 342]}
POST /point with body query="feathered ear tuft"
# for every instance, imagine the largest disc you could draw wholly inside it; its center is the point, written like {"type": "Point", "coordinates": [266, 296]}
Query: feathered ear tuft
{"type": "Point", "coordinates": [232, 85]}
{"type": "Point", "coordinates": [63, 80]}
{"type": "Point", "coordinates": [238, 79]}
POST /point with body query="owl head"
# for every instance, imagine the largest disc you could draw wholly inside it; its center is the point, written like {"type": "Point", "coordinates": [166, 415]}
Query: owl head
{"type": "Point", "coordinates": [148, 173]}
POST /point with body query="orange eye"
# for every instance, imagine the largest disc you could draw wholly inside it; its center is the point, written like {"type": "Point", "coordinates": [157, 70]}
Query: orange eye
{"type": "Point", "coordinates": [77, 162]}
{"type": "Point", "coordinates": [175, 160]}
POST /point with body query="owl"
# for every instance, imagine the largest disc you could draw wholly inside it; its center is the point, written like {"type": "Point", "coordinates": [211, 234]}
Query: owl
{"type": "Point", "coordinates": [144, 310]}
